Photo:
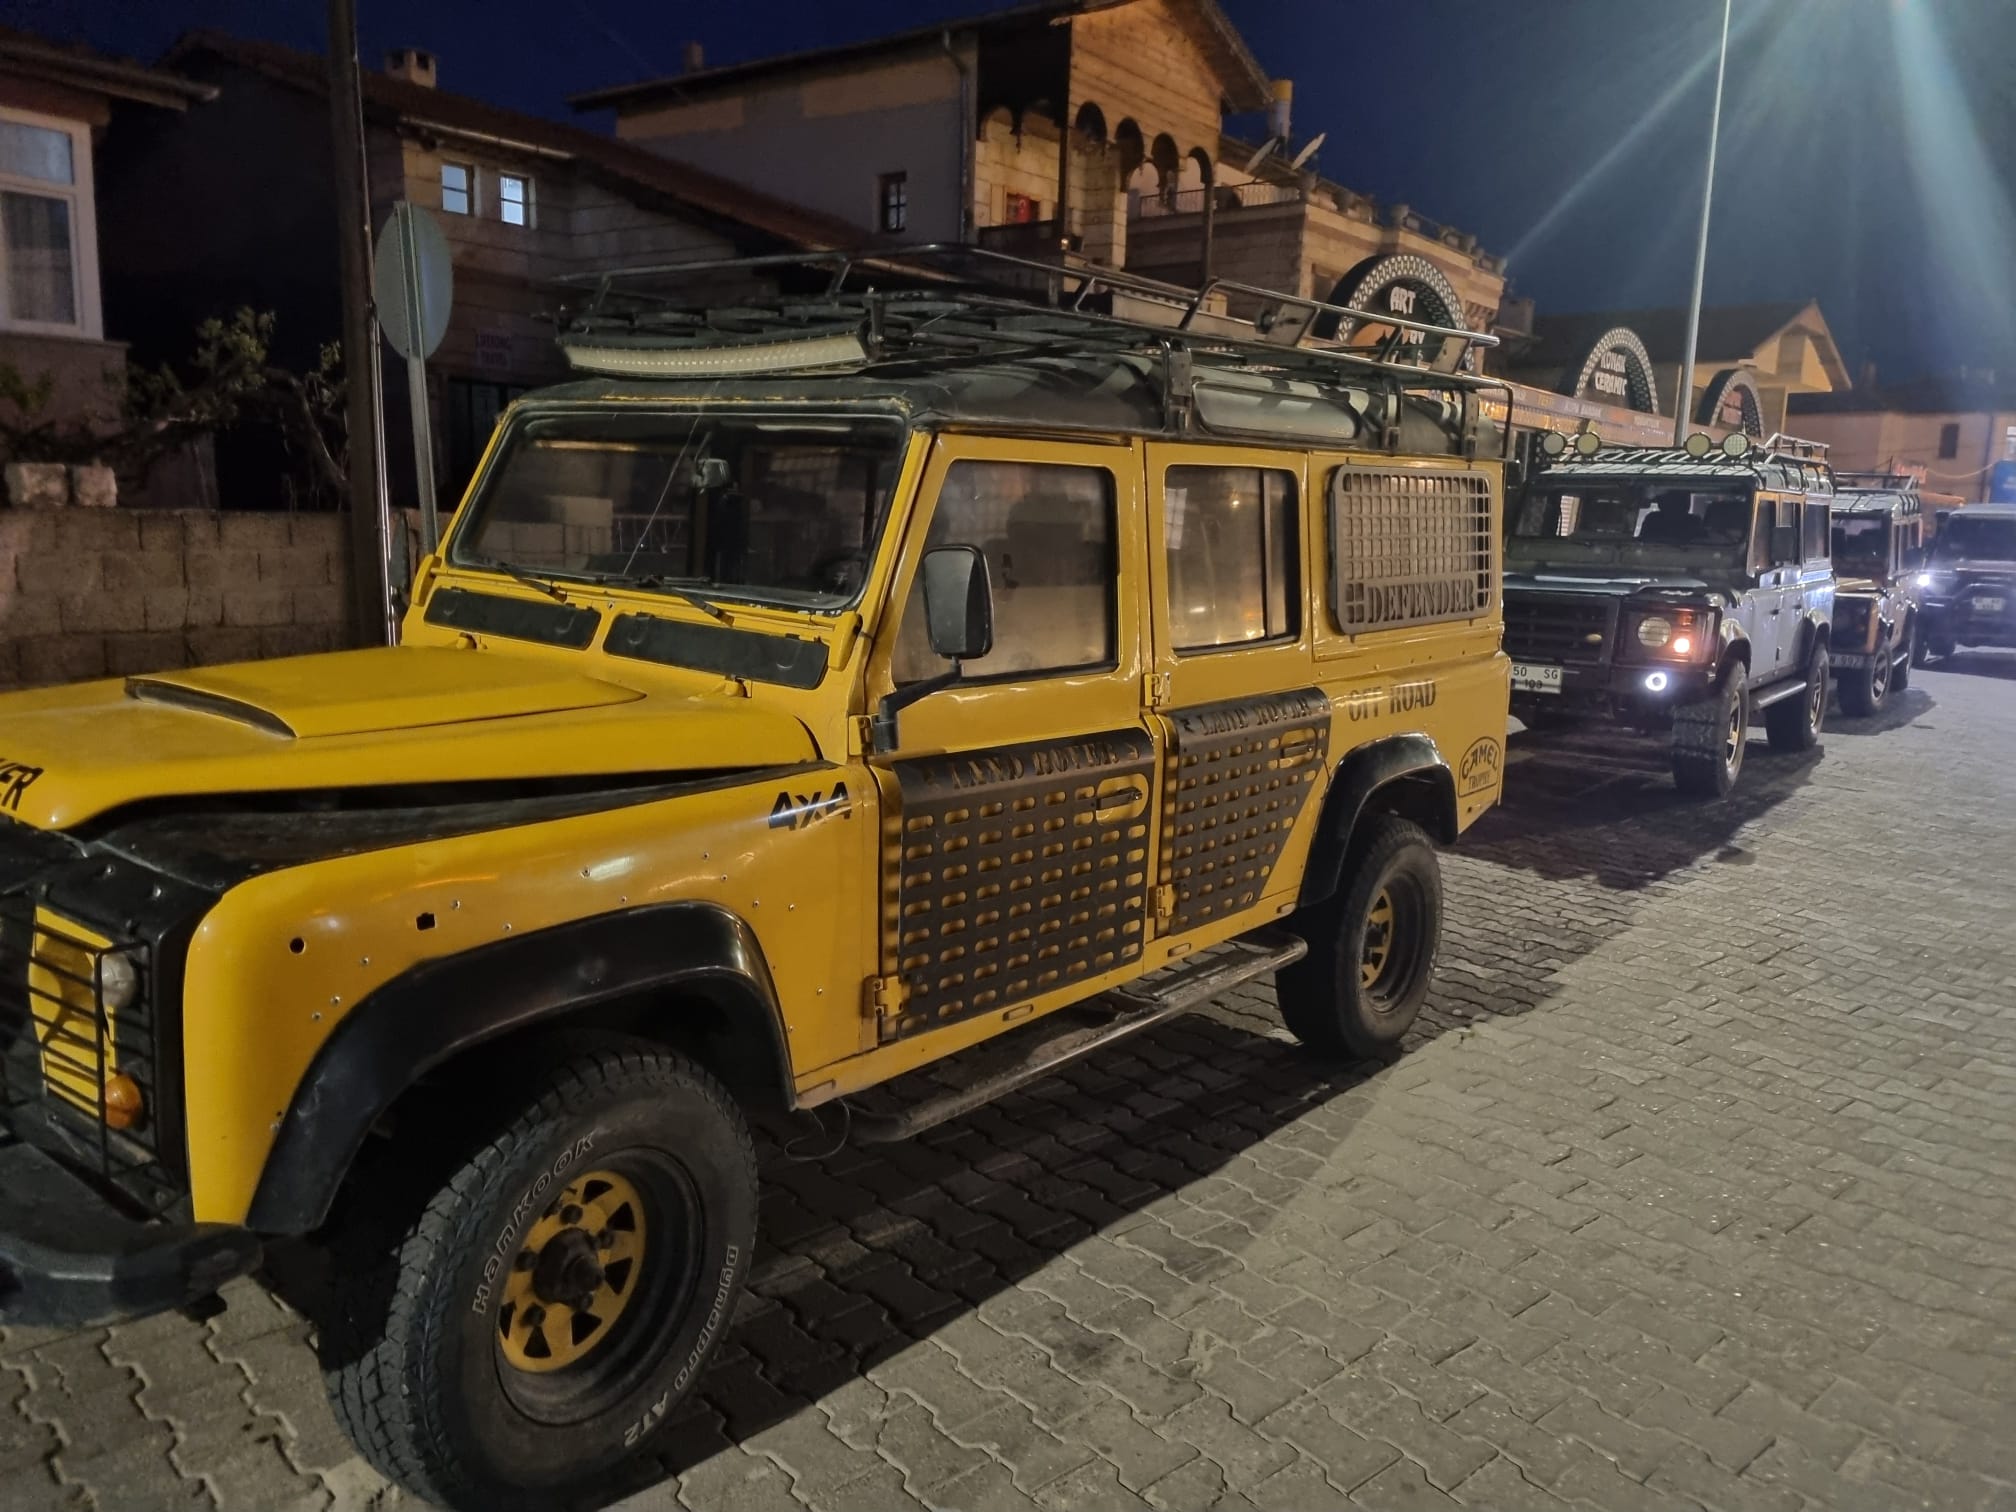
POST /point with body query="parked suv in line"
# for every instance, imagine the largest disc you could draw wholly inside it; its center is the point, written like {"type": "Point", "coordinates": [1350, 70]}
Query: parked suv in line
{"type": "Point", "coordinates": [1969, 582]}
{"type": "Point", "coordinates": [1878, 525]}
{"type": "Point", "coordinates": [809, 695]}
{"type": "Point", "coordinates": [1675, 589]}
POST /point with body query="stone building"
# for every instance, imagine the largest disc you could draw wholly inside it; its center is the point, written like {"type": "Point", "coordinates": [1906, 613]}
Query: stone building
{"type": "Point", "coordinates": [1956, 433]}
{"type": "Point", "coordinates": [1091, 125]}
{"type": "Point", "coordinates": [243, 181]}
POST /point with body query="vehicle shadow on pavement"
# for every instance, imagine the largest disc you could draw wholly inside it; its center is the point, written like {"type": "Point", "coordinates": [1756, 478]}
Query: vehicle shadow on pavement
{"type": "Point", "coordinates": [1604, 808]}
{"type": "Point", "coordinates": [1899, 710]}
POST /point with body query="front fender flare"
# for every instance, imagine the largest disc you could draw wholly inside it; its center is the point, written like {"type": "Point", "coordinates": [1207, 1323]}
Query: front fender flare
{"type": "Point", "coordinates": [439, 1009]}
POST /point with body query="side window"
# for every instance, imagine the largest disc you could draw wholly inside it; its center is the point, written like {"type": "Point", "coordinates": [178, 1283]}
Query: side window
{"type": "Point", "coordinates": [1047, 532]}
{"type": "Point", "coordinates": [1760, 540]}
{"type": "Point", "coordinates": [1819, 534]}
{"type": "Point", "coordinates": [1788, 519]}
{"type": "Point", "coordinates": [1229, 540]}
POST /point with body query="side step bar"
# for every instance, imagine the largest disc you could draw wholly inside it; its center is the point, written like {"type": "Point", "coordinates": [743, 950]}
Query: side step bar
{"type": "Point", "coordinates": [1777, 695]}
{"type": "Point", "coordinates": [1175, 989]}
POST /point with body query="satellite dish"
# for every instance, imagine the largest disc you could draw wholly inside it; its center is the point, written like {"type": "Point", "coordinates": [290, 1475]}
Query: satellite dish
{"type": "Point", "coordinates": [1266, 150]}
{"type": "Point", "coordinates": [1308, 152]}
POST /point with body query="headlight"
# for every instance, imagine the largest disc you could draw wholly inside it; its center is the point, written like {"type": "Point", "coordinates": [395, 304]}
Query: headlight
{"type": "Point", "coordinates": [1654, 631]}
{"type": "Point", "coordinates": [118, 981]}
{"type": "Point", "coordinates": [1924, 580]}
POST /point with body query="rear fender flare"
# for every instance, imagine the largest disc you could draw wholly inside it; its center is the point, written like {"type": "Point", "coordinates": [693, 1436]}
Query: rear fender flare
{"type": "Point", "coordinates": [441, 1009]}
{"type": "Point", "coordinates": [1411, 761]}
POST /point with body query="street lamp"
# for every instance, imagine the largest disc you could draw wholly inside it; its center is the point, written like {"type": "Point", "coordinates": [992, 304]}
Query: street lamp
{"type": "Point", "coordinates": [1684, 399]}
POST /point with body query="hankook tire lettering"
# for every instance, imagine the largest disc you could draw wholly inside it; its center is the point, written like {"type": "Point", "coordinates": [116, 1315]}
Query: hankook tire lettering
{"type": "Point", "coordinates": [501, 1251]}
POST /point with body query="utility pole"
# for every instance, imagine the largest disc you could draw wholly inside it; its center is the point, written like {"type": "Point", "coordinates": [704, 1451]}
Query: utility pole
{"type": "Point", "coordinates": [370, 521]}
{"type": "Point", "coordinates": [1684, 400]}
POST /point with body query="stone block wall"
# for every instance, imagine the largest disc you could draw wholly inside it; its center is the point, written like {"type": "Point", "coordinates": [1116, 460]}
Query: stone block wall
{"type": "Point", "coordinates": [110, 592]}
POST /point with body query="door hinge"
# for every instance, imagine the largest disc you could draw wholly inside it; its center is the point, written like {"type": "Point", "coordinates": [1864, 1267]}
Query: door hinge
{"type": "Point", "coordinates": [1155, 689]}
{"type": "Point", "coordinates": [884, 996]}
{"type": "Point", "coordinates": [1165, 905]}
{"type": "Point", "coordinates": [860, 735]}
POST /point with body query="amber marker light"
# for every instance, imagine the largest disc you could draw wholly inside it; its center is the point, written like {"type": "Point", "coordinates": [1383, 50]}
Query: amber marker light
{"type": "Point", "coordinates": [123, 1104]}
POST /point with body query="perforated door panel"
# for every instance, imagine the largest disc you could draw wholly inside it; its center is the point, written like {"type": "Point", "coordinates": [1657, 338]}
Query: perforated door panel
{"type": "Point", "coordinates": [1236, 777]}
{"type": "Point", "coordinates": [1019, 870]}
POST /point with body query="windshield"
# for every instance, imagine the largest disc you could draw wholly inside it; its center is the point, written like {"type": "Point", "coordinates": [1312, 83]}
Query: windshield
{"type": "Point", "coordinates": [1981, 539]}
{"type": "Point", "coordinates": [705, 505]}
{"type": "Point", "coordinates": [1630, 524]}
{"type": "Point", "coordinates": [1862, 544]}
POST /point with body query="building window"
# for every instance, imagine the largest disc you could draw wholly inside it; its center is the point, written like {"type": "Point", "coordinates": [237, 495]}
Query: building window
{"type": "Point", "coordinates": [892, 198]}
{"type": "Point", "coordinates": [1022, 210]}
{"type": "Point", "coordinates": [1949, 441]}
{"type": "Point", "coordinates": [47, 281]}
{"type": "Point", "coordinates": [514, 200]}
{"type": "Point", "coordinates": [1228, 537]}
{"type": "Point", "coordinates": [458, 188]}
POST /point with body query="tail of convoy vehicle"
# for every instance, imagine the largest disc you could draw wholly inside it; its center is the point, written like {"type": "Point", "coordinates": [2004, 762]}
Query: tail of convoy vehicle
{"type": "Point", "coordinates": [1969, 582]}
{"type": "Point", "coordinates": [1679, 590]}
{"type": "Point", "coordinates": [818, 691]}
{"type": "Point", "coordinates": [1878, 551]}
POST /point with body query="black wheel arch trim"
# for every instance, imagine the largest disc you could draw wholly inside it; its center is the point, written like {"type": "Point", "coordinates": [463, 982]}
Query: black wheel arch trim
{"type": "Point", "coordinates": [1359, 777]}
{"type": "Point", "coordinates": [430, 1014]}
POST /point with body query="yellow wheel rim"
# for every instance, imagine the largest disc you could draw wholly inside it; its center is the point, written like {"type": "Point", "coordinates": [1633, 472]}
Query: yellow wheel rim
{"type": "Point", "coordinates": [1378, 941]}
{"type": "Point", "coordinates": [580, 1265]}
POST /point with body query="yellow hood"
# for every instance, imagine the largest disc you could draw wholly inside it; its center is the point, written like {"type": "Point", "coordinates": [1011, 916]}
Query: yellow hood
{"type": "Point", "coordinates": [359, 719]}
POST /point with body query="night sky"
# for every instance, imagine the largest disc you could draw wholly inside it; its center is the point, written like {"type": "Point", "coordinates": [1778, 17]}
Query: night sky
{"type": "Point", "coordinates": [1868, 147]}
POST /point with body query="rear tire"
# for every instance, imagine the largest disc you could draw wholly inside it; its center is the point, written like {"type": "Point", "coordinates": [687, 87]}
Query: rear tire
{"type": "Point", "coordinates": [1371, 946]}
{"type": "Point", "coordinates": [514, 1336]}
{"type": "Point", "coordinates": [1939, 648]}
{"type": "Point", "coordinates": [1794, 723]}
{"type": "Point", "coordinates": [1709, 736]}
{"type": "Point", "coordinates": [1864, 690]}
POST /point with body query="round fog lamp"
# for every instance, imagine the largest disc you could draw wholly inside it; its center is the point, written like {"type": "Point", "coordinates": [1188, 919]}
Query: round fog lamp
{"type": "Point", "coordinates": [1654, 632]}
{"type": "Point", "coordinates": [118, 980]}
{"type": "Point", "coordinates": [1656, 682]}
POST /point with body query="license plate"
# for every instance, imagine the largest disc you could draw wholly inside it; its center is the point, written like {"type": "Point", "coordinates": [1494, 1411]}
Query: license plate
{"type": "Point", "coordinates": [1531, 677]}
{"type": "Point", "coordinates": [1989, 605]}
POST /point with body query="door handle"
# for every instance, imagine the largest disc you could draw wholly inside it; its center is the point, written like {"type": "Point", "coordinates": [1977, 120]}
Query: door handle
{"type": "Point", "coordinates": [1297, 746]}
{"type": "Point", "coordinates": [1120, 798]}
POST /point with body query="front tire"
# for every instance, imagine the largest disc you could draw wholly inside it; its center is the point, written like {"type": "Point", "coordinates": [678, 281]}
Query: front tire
{"type": "Point", "coordinates": [1794, 723]}
{"type": "Point", "coordinates": [1864, 690]}
{"type": "Point", "coordinates": [536, 1321]}
{"type": "Point", "coordinates": [1709, 736]}
{"type": "Point", "coordinates": [1371, 946]}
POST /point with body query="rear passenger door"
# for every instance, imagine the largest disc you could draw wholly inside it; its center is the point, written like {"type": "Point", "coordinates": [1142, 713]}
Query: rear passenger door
{"type": "Point", "coordinates": [1015, 849]}
{"type": "Point", "coordinates": [1244, 727]}
{"type": "Point", "coordinates": [1766, 616]}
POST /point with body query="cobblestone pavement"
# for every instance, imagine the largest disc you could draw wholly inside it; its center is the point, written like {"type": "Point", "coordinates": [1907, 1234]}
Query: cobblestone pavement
{"type": "Point", "coordinates": [1698, 1189]}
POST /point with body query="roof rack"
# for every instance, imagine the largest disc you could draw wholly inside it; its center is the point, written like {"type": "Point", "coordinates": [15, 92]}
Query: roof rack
{"type": "Point", "coordinates": [942, 312]}
{"type": "Point", "coordinates": [1884, 482]}
{"type": "Point", "coordinates": [1778, 444]}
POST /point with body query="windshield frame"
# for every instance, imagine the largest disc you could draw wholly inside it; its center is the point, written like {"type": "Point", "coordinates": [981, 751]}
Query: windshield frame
{"type": "Point", "coordinates": [1940, 554]}
{"type": "Point", "coordinates": [1628, 555]}
{"type": "Point", "coordinates": [1886, 518]}
{"type": "Point", "coordinates": [460, 549]}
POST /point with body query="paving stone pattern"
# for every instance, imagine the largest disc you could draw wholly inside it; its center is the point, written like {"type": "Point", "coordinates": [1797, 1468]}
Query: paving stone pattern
{"type": "Point", "coordinates": [1696, 1189]}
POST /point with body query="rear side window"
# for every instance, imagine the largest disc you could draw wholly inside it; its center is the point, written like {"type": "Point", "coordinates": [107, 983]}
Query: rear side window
{"type": "Point", "coordinates": [1230, 543]}
{"type": "Point", "coordinates": [1409, 546]}
{"type": "Point", "coordinates": [1047, 531]}
{"type": "Point", "coordinates": [1819, 535]}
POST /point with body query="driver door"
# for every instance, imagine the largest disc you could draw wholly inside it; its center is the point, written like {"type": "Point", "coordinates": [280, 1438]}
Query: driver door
{"type": "Point", "coordinates": [1015, 856]}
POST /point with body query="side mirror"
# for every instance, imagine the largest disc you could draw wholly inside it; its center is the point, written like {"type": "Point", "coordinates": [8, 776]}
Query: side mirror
{"type": "Point", "coordinates": [1785, 545]}
{"type": "Point", "coordinates": [958, 602]}
{"type": "Point", "coordinates": [959, 619]}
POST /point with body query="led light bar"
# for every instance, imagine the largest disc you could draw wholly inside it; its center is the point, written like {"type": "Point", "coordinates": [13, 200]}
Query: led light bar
{"type": "Point", "coordinates": [716, 361]}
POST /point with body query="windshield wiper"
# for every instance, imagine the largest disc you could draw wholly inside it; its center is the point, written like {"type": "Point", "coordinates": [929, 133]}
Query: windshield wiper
{"type": "Point", "coordinates": [679, 588]}
{"type": "Point", "coordinates": [530, 579]}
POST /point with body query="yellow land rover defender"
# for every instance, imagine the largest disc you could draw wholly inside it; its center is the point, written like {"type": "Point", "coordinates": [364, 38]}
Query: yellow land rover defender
{"type": "Point", "coordinates": [818, 689]}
